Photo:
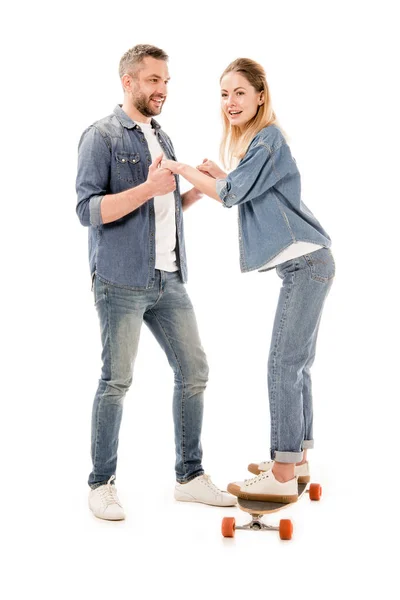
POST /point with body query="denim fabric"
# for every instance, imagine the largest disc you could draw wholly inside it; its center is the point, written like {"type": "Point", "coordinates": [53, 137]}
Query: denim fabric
{"type": "Point", "coordinates": [306, 282]}
{"type": "Point", "coordinates": [114, 156]}
{"type": "Point", "coordinates": [167, 311]}
{"type": "Point", "coordinates": [266, 188]}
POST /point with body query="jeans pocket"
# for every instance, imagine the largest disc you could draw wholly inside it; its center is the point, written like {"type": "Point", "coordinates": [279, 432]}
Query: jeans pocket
{"type": "Point", "coordinates": [94, 287]}
{"type": "Point", "coordinates": [98, 288]}
{"type": "Point", "coordinates": [321, 264]}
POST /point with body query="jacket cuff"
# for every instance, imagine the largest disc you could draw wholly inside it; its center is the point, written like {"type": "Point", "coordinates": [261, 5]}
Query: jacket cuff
{"type": "Point", "coordinates": [221, 186]}
{"type": "Point", "coordinates": [95, 212]}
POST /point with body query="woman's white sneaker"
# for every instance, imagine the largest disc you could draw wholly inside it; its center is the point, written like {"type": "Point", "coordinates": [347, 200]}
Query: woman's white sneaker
{"type": "Point", "coordinates": [201, 489]}
{"type": "Point", "coordinates": [302, 472]}
{"type": "Point", "coordinates": [265, 488]}
{"type": "Point", "coordinates": [104, 502]}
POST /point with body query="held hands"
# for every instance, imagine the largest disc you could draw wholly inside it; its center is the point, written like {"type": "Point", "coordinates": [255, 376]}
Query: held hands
{"type": "Point", "coordinates": [172, 165]}
{"type": "Point", "coordinates": [192, 195]}
{"type": "Point", "coordinates": [160, 177]}
{"type": "Point", "coordinates": [210, 168]}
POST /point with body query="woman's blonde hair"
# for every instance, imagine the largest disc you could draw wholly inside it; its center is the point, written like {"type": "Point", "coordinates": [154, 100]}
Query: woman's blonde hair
{"type": "Point", "coordinates": [234, 142]}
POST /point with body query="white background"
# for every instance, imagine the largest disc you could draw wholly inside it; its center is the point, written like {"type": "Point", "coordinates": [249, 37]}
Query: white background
{"type": "Point", "coordinates": [333, 76]}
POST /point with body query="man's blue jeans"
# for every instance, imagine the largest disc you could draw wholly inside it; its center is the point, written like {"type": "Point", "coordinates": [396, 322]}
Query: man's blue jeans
{"type": "Point", "coordinates": [168, 312]}
{"type": "Point", "coordinates": [306, 284]}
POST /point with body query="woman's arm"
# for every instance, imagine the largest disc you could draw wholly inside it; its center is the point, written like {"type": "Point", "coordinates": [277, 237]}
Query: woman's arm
{"type": "Point", "coordinates": [204, 183]}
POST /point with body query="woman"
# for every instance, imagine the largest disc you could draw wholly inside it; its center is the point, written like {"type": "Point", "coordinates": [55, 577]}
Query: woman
{"type": "Point", "coordinates": [276, 230]}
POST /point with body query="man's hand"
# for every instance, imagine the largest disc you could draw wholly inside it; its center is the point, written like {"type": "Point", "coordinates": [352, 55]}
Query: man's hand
{"type": "Point", "coordinates": [160, 179]}
{"type": "Point", "coordinates": [210, 168]}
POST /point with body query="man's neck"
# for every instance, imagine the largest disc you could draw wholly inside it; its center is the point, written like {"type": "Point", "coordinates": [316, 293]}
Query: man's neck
{"type": "Point", "coordinates": [134, 114]}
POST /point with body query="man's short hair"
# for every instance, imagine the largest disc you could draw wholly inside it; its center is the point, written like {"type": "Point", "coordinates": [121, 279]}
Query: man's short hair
{"type": "Point", "coordinates": [135, 55]}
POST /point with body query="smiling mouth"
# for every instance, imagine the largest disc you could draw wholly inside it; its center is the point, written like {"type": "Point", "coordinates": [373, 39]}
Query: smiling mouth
{"type": "Point", "coordinates": [234, 113]}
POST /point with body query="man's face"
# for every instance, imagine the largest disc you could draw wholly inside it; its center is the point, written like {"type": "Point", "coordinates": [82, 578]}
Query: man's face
{"type": "Point", "coordinates": [148, 86]}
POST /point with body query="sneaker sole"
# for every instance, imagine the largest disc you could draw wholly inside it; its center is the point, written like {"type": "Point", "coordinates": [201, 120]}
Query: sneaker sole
{"type": "Point", "coordinates": [235, 490]}
{"type": "Point", "coordinates": [103, 518]}
{"type": "Point", "coordinates": [108, 518]}
{"type": "Point", "coordinates": [187, 498]}
{"type": "Point", "coordinates": [253, 468]}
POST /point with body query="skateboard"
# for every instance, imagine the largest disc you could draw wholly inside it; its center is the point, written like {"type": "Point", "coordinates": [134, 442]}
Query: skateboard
{"type": "Point", "coordinates": [257, 509]}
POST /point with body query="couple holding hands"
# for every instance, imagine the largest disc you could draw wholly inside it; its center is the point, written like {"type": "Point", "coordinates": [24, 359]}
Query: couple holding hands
{"type": "Point", "coordinates": [129, 198]}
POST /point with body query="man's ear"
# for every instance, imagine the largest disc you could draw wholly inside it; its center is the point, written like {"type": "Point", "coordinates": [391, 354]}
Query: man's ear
{"type": "Point", "coordinates": [126, 81]}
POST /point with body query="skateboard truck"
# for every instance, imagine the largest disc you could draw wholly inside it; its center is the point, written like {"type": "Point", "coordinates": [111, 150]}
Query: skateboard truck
{"type": "Point", "coordinates": [256, 524]}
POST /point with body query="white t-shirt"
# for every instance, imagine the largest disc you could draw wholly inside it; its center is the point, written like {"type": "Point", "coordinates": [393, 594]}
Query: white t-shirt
{"type": "Point", "coordinates": [164, 209]}
{"type": "Point", "coordinates": [293, 251]}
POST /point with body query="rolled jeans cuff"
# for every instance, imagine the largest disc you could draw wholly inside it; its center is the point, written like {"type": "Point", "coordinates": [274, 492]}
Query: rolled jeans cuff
{"type": "Point", "coordinates": [287, 457]}
{"type": "Point", "coordinates": [191, 477]}
{"type": "Point", "coordinates": [93, 486]}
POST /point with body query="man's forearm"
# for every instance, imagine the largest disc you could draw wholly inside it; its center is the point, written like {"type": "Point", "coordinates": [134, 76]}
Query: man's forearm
{"type": "Point", "coordinates": [116, 206]}
{"type": "Point", "coordinates": [187, 201]}
{"type": "Point", "coordinates": [202, 182]}
{"type": "Point", "coordinates": [189, 198]}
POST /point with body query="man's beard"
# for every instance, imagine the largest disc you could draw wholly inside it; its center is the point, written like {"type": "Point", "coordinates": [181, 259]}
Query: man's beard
{"type": "Point", "coordinates": [141, 103]}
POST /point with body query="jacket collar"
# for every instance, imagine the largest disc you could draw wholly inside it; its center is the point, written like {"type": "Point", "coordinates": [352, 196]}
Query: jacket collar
{"type": "Point", "coordinates": [127, 121]}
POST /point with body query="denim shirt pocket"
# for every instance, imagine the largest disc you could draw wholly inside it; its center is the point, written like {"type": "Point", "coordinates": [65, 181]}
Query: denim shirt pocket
{"type": "Point", "coordinates": [322, 265]}
{"type": "Point", "coordinates": [128, 166]}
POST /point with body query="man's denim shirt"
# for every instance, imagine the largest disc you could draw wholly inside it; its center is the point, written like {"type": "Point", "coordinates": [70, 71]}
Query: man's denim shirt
{"type": "Point", "coordinates": [266, 187]}
{"type": "Point", "coordinates": [114, 156]}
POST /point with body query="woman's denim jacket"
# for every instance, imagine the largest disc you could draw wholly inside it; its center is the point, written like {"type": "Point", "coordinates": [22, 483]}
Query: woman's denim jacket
{"type": "Point", "coordinates": [266, 188]}
{"type": "Point", "coordinates": [113, 157]}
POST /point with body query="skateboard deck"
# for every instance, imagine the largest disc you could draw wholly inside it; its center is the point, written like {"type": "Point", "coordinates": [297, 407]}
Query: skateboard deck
{"type": "Point", "coordinates": [257, 509]}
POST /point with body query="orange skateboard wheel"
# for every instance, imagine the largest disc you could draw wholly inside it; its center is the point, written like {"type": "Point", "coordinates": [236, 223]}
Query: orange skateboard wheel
{"type": "Point", "coordinates": [228, 527]}
{"type": "Point", "coordinates": [315, 491]}
{"type": "Point", "coordinates": [285, 529]}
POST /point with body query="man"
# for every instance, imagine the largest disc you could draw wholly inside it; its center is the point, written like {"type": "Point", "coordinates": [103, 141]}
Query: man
{"type": "Point", "coordinates": [133, 209]}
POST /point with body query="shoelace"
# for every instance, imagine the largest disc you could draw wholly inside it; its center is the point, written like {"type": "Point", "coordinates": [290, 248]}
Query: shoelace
{"type": "Point", "coordinates": [260, 477]}
{"type": "Point", "coordinates": [211, 485]}
{"type": "Point", "coordinates": [108, 493]}
{"type": "Point", "coordinates": [264, 475]}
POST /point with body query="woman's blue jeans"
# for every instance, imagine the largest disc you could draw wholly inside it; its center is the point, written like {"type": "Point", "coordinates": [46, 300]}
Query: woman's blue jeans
{"type": "Point", "coordinates": [306, 282]}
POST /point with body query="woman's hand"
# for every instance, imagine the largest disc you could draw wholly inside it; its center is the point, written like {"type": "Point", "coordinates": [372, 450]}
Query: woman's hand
{"type": "Point", "coordinates": [210, 168]}
{"type": "Point", "coordinates": [174, 166]}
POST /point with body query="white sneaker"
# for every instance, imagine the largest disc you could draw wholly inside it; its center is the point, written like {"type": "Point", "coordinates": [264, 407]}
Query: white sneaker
{"type": "Point", "coordinates": [201, 489]}
{"type": "Point", "coordinates": [104, 502]}
{"type": "Point", "coordinates": [302, 472]}
{"type": "Point", "coordinates": [265, 488]}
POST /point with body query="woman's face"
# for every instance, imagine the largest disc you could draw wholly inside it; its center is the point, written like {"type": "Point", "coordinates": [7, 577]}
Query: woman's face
{"type": "Point", "coordinates": [239, 99]}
